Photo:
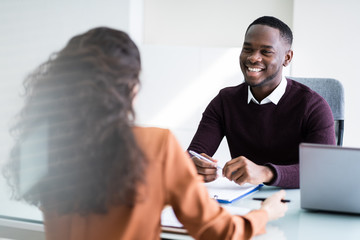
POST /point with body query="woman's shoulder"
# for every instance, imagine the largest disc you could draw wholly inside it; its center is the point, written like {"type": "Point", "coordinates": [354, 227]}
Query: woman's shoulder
{"type": "Point", "coordinates": [151, 132]}
{"type": "Point", "coordinates": [156, 142]}
{"type": "Point", "coordinates": [151, 137]}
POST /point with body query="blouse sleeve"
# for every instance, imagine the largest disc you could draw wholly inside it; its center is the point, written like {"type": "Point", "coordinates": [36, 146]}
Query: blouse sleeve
{"type": "Point", "coordinates": [202, 216]}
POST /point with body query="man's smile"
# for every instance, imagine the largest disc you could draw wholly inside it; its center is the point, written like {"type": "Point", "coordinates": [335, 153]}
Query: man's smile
{"type": "Point", "coordinates": [254, 69]}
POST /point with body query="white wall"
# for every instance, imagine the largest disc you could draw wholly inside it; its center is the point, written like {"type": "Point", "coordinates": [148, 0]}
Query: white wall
{"type": "Point", "coordinates": [178, 82]}
{"type": "Point", "coordinates": [326, 45]}
{"type": "Point", "coordinates": [210, 23]}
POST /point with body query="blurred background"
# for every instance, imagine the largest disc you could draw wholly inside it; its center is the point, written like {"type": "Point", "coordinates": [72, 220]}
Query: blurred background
{"type": "Point", "coordinates": [189, 49]}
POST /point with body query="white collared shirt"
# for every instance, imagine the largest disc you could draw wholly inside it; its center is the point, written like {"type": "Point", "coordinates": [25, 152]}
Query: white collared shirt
{"type": "Point", "coordinates": [274, 97]}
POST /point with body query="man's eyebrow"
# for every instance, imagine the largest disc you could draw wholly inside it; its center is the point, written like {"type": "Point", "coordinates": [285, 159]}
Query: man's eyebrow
{"type": "Point", "coordinates": [262, 46]}
{"type": "Point", "coordinates": [267, 46]}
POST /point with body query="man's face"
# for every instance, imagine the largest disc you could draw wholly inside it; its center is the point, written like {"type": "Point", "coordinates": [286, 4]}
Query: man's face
{"type": "Point", "coordinates": [263, 56]}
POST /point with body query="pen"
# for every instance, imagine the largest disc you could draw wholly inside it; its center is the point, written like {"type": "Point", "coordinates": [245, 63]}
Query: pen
{"type": "Point", "coordinates": [263, 199]}
{"type": "Point", "coordinates": [195, 154]}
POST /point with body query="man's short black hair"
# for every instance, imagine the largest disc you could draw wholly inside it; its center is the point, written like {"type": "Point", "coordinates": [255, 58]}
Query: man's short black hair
{"type": "Point", "coordinates": [285, 31]}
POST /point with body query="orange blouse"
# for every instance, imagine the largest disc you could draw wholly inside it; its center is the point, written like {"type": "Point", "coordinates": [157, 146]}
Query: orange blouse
{"type": "Point", "coordinates": [171, 179]}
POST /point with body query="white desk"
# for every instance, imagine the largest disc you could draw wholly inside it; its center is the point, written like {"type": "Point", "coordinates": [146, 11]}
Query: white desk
{"type": "Point", "coordinates": [298, 224]}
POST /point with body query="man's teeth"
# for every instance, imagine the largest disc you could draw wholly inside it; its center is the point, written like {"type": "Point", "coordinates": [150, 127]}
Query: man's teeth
{"type": "Point", "coordinates": [254, 69]}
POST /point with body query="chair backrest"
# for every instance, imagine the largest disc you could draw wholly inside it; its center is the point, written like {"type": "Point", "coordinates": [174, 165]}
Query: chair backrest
{"type": "Point", "coordinates": [333, 92]}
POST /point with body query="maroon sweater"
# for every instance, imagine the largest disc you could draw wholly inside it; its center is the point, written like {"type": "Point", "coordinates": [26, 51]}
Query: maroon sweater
{"type": "Point", "coordinates": [267, 134]}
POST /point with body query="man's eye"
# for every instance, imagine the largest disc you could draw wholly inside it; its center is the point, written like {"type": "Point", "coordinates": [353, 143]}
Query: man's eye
{"type": "Point", "coordinates": [266, 52]}
{"type": "Point", "coordinates": [247, 50]}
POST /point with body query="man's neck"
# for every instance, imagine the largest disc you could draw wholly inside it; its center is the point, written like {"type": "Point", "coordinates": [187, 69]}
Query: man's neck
{"type": "Point", "coordinates": [262, 92]}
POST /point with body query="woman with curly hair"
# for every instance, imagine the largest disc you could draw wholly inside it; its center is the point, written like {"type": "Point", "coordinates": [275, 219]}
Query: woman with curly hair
{"type": "Point", "coordinates": [95, 175]}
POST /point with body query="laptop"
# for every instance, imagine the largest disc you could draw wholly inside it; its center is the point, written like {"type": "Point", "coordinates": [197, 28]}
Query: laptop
{"type": "Point", "coordinates": [329, 178]}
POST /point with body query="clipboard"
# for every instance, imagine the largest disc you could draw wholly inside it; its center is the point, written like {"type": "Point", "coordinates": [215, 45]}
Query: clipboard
{"type": "Point", "coordinates": [226, 191]}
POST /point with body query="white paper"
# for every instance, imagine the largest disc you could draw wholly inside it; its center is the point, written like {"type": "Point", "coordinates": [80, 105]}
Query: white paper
{"type": "Point", "coordinates": [168, 217]}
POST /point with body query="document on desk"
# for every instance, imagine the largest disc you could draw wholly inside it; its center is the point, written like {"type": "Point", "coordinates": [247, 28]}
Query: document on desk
{"type": "Point", "coordinates": [226, 191]}
{"type": "Point", "coordinates": [170, 223]}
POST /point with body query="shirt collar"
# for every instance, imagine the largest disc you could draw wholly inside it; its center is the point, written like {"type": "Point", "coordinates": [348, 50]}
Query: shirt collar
{"type": "Point", "coordinates": [274, 97]}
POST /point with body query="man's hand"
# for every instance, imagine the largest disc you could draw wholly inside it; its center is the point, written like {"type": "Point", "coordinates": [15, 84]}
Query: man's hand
{"type": "Point", "coordinates": [206, 169]}
{"type": "Point", "coordinates": [242, 170]}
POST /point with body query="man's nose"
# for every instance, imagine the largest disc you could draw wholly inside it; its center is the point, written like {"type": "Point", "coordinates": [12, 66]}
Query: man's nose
{"type": "Point", "coordinates": [254, 57]}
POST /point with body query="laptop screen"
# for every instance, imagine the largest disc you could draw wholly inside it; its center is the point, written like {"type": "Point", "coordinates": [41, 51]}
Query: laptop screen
{"type": "Point", "coordinates": [329, 178]}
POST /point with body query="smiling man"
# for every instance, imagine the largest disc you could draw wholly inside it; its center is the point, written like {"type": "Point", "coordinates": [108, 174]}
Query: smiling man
{"type": "Point", "coordinates": [265, 118]}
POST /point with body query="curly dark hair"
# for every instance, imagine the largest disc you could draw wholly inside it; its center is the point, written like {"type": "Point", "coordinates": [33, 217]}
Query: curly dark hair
{"type": "Point", "coordinates": [82, 96]}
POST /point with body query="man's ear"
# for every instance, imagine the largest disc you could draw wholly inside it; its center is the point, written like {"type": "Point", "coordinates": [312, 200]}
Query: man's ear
{"type": "Point", "coordinates": [288, 56]}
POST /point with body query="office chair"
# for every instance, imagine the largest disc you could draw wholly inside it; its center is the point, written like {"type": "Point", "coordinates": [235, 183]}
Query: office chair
{"type": "Point", "coordinates": [333, 92]}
